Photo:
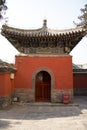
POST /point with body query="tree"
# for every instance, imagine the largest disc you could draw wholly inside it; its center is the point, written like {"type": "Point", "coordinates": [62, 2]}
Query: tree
{"type": "Point", "coordinates": [3, 8]}
{"type": "Point", "coordinates": [83, 17]}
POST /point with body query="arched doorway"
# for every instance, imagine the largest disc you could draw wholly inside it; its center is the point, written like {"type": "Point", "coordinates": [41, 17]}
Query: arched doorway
{"type": "Point", "coordinates": [43, 87]}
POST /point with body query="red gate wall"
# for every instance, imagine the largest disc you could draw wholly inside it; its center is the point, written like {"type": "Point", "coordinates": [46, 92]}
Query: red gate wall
{"type": "Point", "coordinates": [80, 84]}
{"type": "Point", "coordinates": [60, 66]}
{"type": "Point", "coordinates": [80, 80]}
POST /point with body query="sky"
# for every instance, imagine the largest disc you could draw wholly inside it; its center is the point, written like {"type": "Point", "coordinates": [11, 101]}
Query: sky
{"type": "Point", "coordinates": [29, 14]}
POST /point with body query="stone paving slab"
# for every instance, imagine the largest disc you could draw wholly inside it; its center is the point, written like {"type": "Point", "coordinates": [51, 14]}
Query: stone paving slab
{"type": "Point", "coordinates": [45, 117]}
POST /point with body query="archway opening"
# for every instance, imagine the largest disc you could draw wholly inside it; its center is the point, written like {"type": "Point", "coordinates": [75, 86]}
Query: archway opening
{"type": "Point", "coordinates": [43, 87]}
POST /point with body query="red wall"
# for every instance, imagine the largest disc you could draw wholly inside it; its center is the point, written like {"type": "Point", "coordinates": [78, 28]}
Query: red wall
{"type": "Point", "coordinates": [80, 80]}
{"type": "Point", "coordinates": [60, 66]}
{"type": "Point", "coordinates": [5, 84]}
{"type": "Point", "coordinates": [2, 80]}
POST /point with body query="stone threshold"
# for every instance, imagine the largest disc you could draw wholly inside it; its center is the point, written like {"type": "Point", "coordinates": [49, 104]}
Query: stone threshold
{"type": "Point", "coordinates": [45, 104]}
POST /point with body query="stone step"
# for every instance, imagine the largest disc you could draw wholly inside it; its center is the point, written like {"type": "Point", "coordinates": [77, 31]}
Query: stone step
{"type": "Point", "coordinates": [45, 104]}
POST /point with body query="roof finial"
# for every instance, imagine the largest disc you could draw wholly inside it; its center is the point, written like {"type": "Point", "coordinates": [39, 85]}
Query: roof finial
{"type": "Point", "coordinates": [44, 23]}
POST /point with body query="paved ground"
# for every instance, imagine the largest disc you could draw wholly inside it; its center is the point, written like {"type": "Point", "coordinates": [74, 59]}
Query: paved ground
{"type": "Point", "coordinates": [39, 117]}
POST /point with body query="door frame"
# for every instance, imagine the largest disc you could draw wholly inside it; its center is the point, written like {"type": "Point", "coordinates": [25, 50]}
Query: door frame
{"type": "Point", "coordinates": [42, 88]}
{"type": "Point", "coordinates": [34, 78]}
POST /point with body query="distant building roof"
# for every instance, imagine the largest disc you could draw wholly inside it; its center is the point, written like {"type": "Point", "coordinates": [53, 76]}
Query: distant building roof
{"type": "Point", "coordinates": [6, 67]}
{"type": "Point", "coordinates": [79, 70]}
{"type": "Point", "coordinates": [76, 66]}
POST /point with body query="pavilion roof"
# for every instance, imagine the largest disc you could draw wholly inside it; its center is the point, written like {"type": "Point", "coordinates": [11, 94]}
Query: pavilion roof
{"type": "Point", "coordinates": [23, 37]}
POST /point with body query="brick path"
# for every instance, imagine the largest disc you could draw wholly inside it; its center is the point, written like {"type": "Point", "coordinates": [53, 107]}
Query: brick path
{"type": "Point", "coordinates": [39, 117]}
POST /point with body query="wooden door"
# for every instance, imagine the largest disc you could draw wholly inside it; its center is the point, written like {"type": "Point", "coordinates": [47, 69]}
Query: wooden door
{"type": "Point", "coordinates": [43, 87]}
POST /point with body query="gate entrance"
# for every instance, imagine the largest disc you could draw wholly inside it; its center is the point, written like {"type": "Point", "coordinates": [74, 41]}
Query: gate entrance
{"type": "Point", "coordinates": [43, 87]}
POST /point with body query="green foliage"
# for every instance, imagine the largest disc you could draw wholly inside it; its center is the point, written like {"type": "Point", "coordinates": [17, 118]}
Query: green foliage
{"type": "Point", "coordinates": [83, 17]}
{"type": "Point", "coordinates": [3, 8]}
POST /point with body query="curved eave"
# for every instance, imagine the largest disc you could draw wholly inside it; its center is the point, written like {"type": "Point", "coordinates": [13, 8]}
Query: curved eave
{"type": "Point", "coordinates": [44, 31]}
{"type": "Point", "coordinates": [64, 35]}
